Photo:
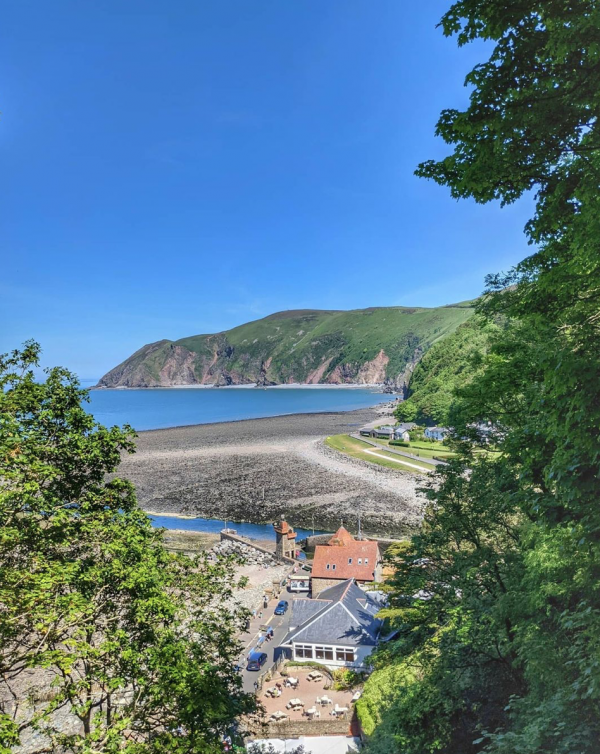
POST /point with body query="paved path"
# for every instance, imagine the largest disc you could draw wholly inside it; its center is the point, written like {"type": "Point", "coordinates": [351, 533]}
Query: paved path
{"type": "Point", "coordinates": [280, 624]}
{"type": "Point", "coordinates": [391, 449]}
{"type": "Point", "coordinates": [377, 454]}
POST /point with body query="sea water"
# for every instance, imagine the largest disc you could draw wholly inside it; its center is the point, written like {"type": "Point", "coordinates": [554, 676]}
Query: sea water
{"type": "Point", "coordinates": [159, 408]}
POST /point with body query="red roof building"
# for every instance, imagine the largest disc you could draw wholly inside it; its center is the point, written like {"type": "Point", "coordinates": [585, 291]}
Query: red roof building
{"type": "Point", "coordinates": [344, 557]}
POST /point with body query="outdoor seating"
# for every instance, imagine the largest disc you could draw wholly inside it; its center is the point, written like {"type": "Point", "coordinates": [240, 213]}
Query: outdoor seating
{"type": "Point", "coordinates": [315, 676]}
{"type": "Point", "coordinates": [326, 700]}
{"type": "Point", "coordinates": [337, 710]}
{"type": "Point", "coordinates": [312, 712]}
{"type": "Point", "coordinates": [278, 716]}
{"type": "Point", "coordinates": [293, 682]}
{"type": "Point", "coordinates": [357, 696]}
{"type": "Point", "coordinates": [295, 704]}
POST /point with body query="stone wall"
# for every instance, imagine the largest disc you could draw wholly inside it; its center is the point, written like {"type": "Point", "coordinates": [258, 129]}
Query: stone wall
{"type": "Point", "coordinates": [296, 728]}
{"type": "Point", "coordinates": [227, 535]}
{"type": "Point", "coordinates": [318, 585]}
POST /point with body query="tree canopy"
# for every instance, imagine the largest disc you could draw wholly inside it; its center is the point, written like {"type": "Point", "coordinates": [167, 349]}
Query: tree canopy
{"type": "Point", "coordinates": [496, 600]}
{"type": "Point", "coordinates": [107, 641]}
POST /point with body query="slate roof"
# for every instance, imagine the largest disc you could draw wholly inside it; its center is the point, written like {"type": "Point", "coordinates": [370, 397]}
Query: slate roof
{"type": "Point", "coordinates": [345, 617]}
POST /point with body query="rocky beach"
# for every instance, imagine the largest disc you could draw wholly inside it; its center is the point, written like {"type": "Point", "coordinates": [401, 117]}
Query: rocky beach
{"type": "Point", "coordinates": [255, 470]}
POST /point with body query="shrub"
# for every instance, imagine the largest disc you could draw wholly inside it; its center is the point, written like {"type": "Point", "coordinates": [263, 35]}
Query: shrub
{"type": "Point", "coordinates": [401, 443]}
{"type": "Point", "coordinates": [346, 678]}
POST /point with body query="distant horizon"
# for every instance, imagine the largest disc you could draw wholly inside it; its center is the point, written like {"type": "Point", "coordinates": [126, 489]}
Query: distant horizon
{"type": "Point", "coordinates": [87, 378]}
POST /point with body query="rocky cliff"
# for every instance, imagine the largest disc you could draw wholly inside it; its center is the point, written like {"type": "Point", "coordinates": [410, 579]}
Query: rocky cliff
{"type": "Point", "coordinates": [363, 346]}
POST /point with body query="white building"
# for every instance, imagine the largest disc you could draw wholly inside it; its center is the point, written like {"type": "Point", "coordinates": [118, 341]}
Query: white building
{"type": "Point", "coordinates": [436, 433]}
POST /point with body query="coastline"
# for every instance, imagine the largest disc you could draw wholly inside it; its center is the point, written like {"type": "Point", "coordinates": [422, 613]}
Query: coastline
{"type": "Point", "coordinates": [283, 386]}
{"type": "Point", "coordinates": [255, 470]}
{"type": "Point", "coordinates": [295, 414]}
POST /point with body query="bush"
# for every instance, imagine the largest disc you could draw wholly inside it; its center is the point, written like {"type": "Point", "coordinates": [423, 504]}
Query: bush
{"type": "Point", "coordinates": [346, 678]}
{"type": "Point", "coordinates": [401, 443]}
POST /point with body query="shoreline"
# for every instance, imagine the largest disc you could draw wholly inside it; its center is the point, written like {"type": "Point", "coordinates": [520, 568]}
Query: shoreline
{"type": "Point", "coordinates": [255, 470]}
{"type": "Point", "coordinates": [262, 418]}
{"type": "Point", "coordinates": [249, 385]}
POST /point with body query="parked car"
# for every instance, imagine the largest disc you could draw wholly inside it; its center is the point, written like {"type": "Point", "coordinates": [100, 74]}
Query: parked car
{"type": "Point", "coordinates": [256, 660]}
{"type": "Point", "coordinates": [281, 607]}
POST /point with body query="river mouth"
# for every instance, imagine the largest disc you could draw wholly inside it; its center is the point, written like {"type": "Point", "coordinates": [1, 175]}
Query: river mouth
{"type": "Point", "coordinates": [215, 526]}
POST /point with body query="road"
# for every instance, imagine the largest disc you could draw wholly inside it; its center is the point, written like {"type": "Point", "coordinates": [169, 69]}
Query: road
{"type": "Point", "coordinates": [395, 451]}
{"type": "Point", "coordinates": [280, 624]}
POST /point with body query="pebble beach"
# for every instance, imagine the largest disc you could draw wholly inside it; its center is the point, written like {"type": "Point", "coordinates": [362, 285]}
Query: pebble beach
{"type": "Point", "coordinates": [258, 469]}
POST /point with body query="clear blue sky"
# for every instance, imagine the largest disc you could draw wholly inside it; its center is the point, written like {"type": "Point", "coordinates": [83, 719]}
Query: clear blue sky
{"type": "Point", "coordinates": [172, 168]}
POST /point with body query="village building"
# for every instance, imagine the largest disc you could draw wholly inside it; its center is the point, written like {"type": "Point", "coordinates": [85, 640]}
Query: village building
{"type": "Point", "coordinates": [342, 558]}
{"type": "Point", "coordinates": [339, 629]}
{"type": "Point", "coordinates": [402, 431]}
{"type": "Point", "coordinates": [436, 433]}
{"type": "Point", "coordinates": [285, 539]}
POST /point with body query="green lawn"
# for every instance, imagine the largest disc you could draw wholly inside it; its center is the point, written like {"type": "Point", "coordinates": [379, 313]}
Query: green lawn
{"type": "Point", "coordinates": [422, 449]}
{"type": "Point", "coordinates": [362, 450]}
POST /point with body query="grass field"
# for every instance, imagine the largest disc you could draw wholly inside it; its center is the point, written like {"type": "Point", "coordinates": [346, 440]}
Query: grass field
{"type": "Point", "coordinates": [358, 449]}
{"type": "Point", "coordinates": [422, 449]}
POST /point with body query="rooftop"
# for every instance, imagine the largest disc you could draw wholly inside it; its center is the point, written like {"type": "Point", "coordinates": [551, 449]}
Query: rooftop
{"type": "Point", "coordinates": [343, 615]}
{"type": "Point", "coordinates": [345, 558]}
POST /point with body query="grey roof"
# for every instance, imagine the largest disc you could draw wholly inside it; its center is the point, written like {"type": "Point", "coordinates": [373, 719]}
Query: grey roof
{"type": "Point", "coordinates": [406, 427]}
{"type": "Point", "coordinates": [345, 616]}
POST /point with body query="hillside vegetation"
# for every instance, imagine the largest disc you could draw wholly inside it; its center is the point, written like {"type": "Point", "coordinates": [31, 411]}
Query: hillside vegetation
{"type": "Point", "coordinates": [451, 363]}
{"type": "Point", "coordinates": [362, 346]}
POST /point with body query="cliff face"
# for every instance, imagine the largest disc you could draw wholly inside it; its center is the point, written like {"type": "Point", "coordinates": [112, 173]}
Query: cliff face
{"type": "Point", "coordinates": [364, 346]}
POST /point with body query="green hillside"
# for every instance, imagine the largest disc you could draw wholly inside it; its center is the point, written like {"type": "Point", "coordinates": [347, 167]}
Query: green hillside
{"type": "Point", "coordinates": [451, 363]}
{"type": "Point", "coordinates": [303, 346]}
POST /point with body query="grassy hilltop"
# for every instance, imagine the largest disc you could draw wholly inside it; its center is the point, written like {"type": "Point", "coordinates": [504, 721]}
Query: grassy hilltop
{"type": "Point", "coordinates": [304, 346]}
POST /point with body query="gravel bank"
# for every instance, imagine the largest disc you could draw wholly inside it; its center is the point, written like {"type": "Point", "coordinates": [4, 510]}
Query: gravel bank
{"type": "Point", "coordinates": [257, 469]}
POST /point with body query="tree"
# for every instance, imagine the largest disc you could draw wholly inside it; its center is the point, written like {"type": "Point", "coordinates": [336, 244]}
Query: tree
{"type": "Point", "coordinates": [509, 558]}
{"type": "Point", "coordinates": [107, 641]}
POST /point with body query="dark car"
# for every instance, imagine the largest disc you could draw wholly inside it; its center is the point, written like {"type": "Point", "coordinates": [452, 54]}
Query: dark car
{"type": "Point", "coordinates": [281, 607]}
{"type": "Point", "coordinates": [256, 660]}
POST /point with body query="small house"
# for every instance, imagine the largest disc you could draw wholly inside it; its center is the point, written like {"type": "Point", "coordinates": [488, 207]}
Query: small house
{"type": "Point", "coordinates": [384, 433]}
{"type": "Point", "coordinates": [436, 433]}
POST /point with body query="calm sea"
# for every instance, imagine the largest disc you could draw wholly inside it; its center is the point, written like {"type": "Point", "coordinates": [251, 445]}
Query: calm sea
{"type": "Point", "coordinates": [160, 408]}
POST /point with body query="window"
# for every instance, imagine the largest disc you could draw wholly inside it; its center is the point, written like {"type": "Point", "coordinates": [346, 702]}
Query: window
{"type": "Point", "coordinates": [343, 654]}
{"type": "Point", "coordinates": [323, 653]}
{"type": "Point", "coordinates": [366, 561]}
{"type": "Point", "coordinates": [333, 567]}
{"type": "Point", "coordinates": [304, 650]}
{"type": "Point", "coordinates": [349, 561]}
{"type": "Point", "coordinates": [360, 561]}
{"type": "Point", "coordinates": [327, 566]}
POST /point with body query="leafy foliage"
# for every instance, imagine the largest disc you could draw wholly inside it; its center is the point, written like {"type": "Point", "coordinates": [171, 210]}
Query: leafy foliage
{"type": "Point", "coordinates": [449, 364]}
{"type": "Point", "coordinates": [107, 642]}
{"type": "Point", "coordinates": [496, 601]}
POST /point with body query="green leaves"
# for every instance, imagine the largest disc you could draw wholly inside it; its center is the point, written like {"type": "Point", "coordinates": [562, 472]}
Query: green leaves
{"type": "Point", "coordinates": [497, 598]}
{"type": "Point", "coordinates": [107, 641]}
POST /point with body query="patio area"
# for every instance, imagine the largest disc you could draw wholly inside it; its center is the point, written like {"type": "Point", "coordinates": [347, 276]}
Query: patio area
{"type": "Point", "coordinates": [307, 699]}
